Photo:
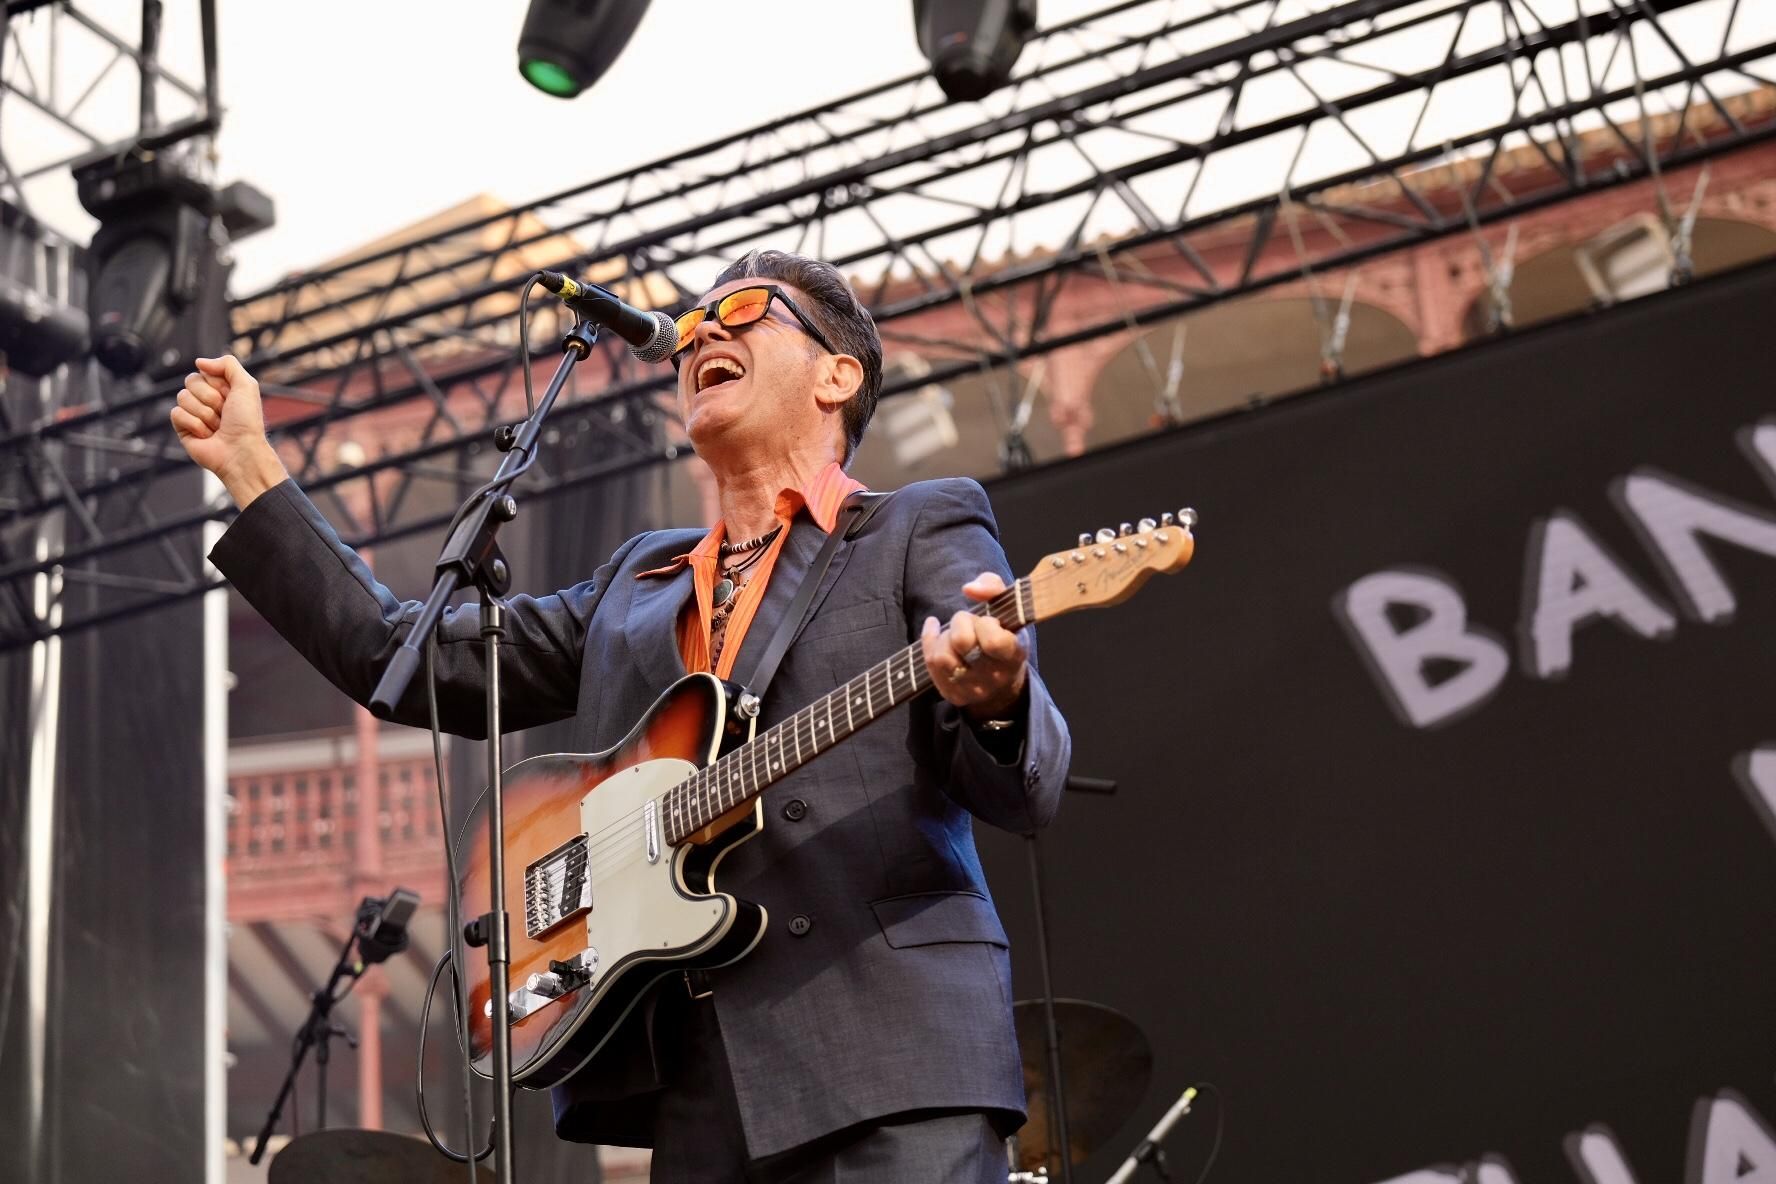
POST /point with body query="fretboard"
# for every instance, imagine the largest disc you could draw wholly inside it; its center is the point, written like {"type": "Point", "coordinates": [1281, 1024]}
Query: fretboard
{"type": "Point", "coordinates": [774, 754]}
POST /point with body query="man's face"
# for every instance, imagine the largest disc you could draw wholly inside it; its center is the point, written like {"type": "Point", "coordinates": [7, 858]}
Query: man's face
{"type": "Point", "coordinates": [753, 385]}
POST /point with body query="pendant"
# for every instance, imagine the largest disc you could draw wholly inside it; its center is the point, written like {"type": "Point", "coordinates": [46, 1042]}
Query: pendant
{"type": "Point", "coordinates": [724, 592]}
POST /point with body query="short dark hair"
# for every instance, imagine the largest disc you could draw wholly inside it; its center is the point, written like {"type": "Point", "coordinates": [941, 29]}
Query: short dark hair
{"type": "Point", "coordinates": [838, 312]}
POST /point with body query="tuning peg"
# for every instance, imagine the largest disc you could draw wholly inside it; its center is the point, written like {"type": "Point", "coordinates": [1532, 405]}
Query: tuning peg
{"type": "Point", "coordinates": [1146, 524]}
{"type": "Point", "coordinates": [1127, 529]}
{"type": "Point", "coordinates": [1168, 518]}
{"type": "Point", "coordinates": [1106, 535]}
{"type": "Point", "coordinates": [1187, 517]}
{"type": "Point", "coordinates": [1085, 540]}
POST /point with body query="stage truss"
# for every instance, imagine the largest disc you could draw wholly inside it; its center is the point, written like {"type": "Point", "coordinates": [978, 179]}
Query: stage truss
{"type": "Point", "coordinates": [1144, 130]}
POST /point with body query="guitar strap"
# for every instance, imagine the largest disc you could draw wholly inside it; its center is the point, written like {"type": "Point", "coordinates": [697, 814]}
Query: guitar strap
{"type": "Point", "coordinates": [858, 509]}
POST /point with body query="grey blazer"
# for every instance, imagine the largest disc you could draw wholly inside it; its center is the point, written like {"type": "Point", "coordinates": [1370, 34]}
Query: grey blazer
{"type": "Point", "coordinates": [883, 982]}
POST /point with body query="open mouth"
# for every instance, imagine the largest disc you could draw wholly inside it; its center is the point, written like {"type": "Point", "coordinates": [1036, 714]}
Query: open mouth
{"type": "Point", "coordinates": [718, 372]}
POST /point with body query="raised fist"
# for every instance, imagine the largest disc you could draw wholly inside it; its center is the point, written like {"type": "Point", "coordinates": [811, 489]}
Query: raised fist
{"type": "Point", "coordinates": [221, 424]}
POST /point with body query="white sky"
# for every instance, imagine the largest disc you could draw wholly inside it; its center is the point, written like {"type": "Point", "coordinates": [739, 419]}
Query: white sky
{"type": "Point", "coordinates": [362, 117]}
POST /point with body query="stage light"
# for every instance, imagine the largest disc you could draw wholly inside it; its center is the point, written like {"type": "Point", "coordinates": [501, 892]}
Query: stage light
{"type": "Point", "coordinates": [973, 44]}
{"type": "Point", "coordinates": [157, 294]}
{"type": "Point", "coordinates": [567, 45]}
{"type": "Point", "coordinates": [39, 329]}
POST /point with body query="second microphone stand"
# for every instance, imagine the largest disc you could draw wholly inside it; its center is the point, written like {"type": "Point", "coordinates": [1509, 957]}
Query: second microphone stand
{"type": "Point", "coordinates": [471, 556]}
{"type": "Point", "coordinates": [1051, 1032]}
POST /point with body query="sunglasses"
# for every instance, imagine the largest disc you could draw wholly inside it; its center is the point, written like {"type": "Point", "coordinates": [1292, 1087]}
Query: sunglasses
{"type": "Point", "coordinates": [747, 306]}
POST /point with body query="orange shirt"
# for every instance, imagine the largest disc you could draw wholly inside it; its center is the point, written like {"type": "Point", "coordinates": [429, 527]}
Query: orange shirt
{"type": "Point", "coordinates": [822, 498]}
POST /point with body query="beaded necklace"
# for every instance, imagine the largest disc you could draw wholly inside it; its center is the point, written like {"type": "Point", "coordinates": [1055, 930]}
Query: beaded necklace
{"type": "Point", "coordinates": [727, 590]}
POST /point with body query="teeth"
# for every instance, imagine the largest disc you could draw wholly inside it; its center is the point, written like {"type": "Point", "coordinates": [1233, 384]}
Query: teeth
{"type": "Point", "coordinates": [718, 370]}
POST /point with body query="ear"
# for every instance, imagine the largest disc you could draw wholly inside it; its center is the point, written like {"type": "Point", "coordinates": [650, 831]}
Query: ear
{"type": "Point", "coordinates": [839, 381]}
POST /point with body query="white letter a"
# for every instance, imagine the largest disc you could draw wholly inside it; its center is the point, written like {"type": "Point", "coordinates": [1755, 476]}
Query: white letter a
{"type": "Point", "coordinates": [1729, 1143]}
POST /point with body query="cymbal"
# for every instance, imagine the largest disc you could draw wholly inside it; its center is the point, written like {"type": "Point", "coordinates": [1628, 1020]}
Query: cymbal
{"type": "Point", "coordinates": [1106, 1063]}
{"type": "Point", "coordinates": [365, 1157]}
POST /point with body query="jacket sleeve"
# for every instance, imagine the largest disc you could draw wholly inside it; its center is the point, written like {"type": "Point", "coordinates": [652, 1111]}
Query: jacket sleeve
{"type": "Point", "coordinates": [954, 539]}
{"type": "Point", "coordinates": [289, 564]}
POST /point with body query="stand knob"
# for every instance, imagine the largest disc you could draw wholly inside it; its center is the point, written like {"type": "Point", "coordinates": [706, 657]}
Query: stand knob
{"type": "Point", "coordinates": [505, 507]}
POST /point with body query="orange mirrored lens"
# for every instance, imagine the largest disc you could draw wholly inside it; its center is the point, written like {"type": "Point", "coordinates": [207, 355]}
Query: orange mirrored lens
{"type": "Point", "coordinates": [743, 307]}
{"type": "Point", "coordinates": [687, 325]}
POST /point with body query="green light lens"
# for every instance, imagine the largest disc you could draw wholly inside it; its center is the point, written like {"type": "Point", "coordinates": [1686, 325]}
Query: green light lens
{"type": "Point", "coordinates": [549, 78]}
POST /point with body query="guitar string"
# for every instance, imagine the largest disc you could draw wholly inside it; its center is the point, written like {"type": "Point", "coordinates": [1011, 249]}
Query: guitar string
{"type": "Point", "coordinates": [880, 678]}
{"type": "Point", "coordinates": [700, 781]}
{"type": "Point", "coordinates": [625, 857]}
{"type": "Point", "coordinates": [594, 857]}
{"type": "Point", "coordinates": [884, 674]}
{"type": "Point", "coordinates": [752, 758]}
{"type": "Point", "coordinates": [1007, 607]}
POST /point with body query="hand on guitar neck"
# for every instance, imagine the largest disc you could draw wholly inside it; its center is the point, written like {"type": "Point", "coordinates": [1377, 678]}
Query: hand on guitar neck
{"type": "Point", "coordinates": [977, 663]}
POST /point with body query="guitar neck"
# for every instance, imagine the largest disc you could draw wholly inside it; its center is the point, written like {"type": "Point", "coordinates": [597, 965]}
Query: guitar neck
{"type": "Point", "coordinates": [774, 754]}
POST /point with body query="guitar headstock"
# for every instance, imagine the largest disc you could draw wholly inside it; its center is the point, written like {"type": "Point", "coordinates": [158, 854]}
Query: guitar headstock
{"type": "Point", "coordinates": [1107, 567]}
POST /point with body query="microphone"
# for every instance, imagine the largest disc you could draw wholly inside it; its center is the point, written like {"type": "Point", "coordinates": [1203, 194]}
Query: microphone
{"type": "Point", "coordinates": [1149, 1148]}
{"type": "Point", "coordinates": [651, 335]}
{"type": "Point", "coordinates": [382, 924]}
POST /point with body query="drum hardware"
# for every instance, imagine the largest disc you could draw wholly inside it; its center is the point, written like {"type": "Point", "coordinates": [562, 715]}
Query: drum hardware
{"type": "Point", "coordinates": [1109, 1066]}
{"type": "Point", "coordinates": [365, 1157]}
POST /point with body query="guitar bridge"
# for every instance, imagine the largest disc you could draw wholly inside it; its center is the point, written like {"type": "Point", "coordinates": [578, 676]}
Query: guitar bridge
{"type": "Point", "coordinates": [557, 887]}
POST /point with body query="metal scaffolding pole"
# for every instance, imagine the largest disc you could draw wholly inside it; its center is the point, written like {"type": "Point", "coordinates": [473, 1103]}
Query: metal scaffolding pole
{"type": "Point", "coordinates": [1098, 150]}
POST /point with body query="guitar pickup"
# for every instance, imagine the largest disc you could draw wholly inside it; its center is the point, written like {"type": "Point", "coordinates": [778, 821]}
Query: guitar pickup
{"type": "Point", "coordinates": [557, 887]}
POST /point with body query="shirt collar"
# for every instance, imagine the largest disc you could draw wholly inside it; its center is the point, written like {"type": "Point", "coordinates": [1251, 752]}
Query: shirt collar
{"type": "Point", "coordinates": [821, 497]}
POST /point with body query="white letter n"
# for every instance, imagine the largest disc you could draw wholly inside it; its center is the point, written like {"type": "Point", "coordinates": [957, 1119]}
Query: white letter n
{"type": "Point", "coordinates": [1673, 516]}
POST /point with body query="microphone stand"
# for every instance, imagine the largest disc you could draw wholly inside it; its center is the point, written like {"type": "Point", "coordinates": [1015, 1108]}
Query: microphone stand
{"type": "Point", "coordinates": [472, 556]}
{"type": "Point", "coordinates": [1151, 1149]}
{"type": "Point", "coordinates": [315, 1032]}
{"type": "Point", "coordinates": [1051, 1032]}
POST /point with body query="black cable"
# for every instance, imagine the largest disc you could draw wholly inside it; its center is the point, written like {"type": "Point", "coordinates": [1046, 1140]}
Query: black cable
{"type": "Point", "coordinates": [453, 903]}
{"type": "Point", "coordinates": [1220, 1121]}
{"type": "Point", "coordinates": [425, 1015]}
{"type": "Point", "coordinates": [453, 922]}
{"type": "Point", "coordinates": [529, 406]}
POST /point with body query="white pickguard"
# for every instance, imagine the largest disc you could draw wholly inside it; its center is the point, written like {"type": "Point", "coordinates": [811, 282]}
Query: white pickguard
{"type": "Point", "coordinates": [641, 910]}
{"type": "Point", "coordinates": [638, 906]}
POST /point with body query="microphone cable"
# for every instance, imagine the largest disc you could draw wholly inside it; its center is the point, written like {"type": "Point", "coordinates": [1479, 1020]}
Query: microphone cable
{"type": "Point", "coordinates": [453, 923]}
{"type": "Point", "coordinates": [452, 893]}
{"type": "Point", "coordinates": [1209, 1087]}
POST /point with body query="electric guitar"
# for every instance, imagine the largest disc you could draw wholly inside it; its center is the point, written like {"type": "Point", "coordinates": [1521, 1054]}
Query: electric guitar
{"type": "Point", "coordinates": [611, 857]}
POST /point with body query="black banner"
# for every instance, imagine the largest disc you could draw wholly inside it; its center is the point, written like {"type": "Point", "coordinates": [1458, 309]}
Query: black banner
{"type": "Point", "coordinates": [1445, 836]}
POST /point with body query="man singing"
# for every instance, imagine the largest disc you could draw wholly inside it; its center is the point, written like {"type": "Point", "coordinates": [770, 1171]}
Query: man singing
{"type": "Point", "coordinates": [868, 1037]}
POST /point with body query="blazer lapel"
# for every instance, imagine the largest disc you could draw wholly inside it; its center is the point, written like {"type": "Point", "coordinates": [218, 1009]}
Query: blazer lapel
{"type": "Point", "coordinates": [651, 626]}
{"type": "Point", "coordinates": [799, 552]}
